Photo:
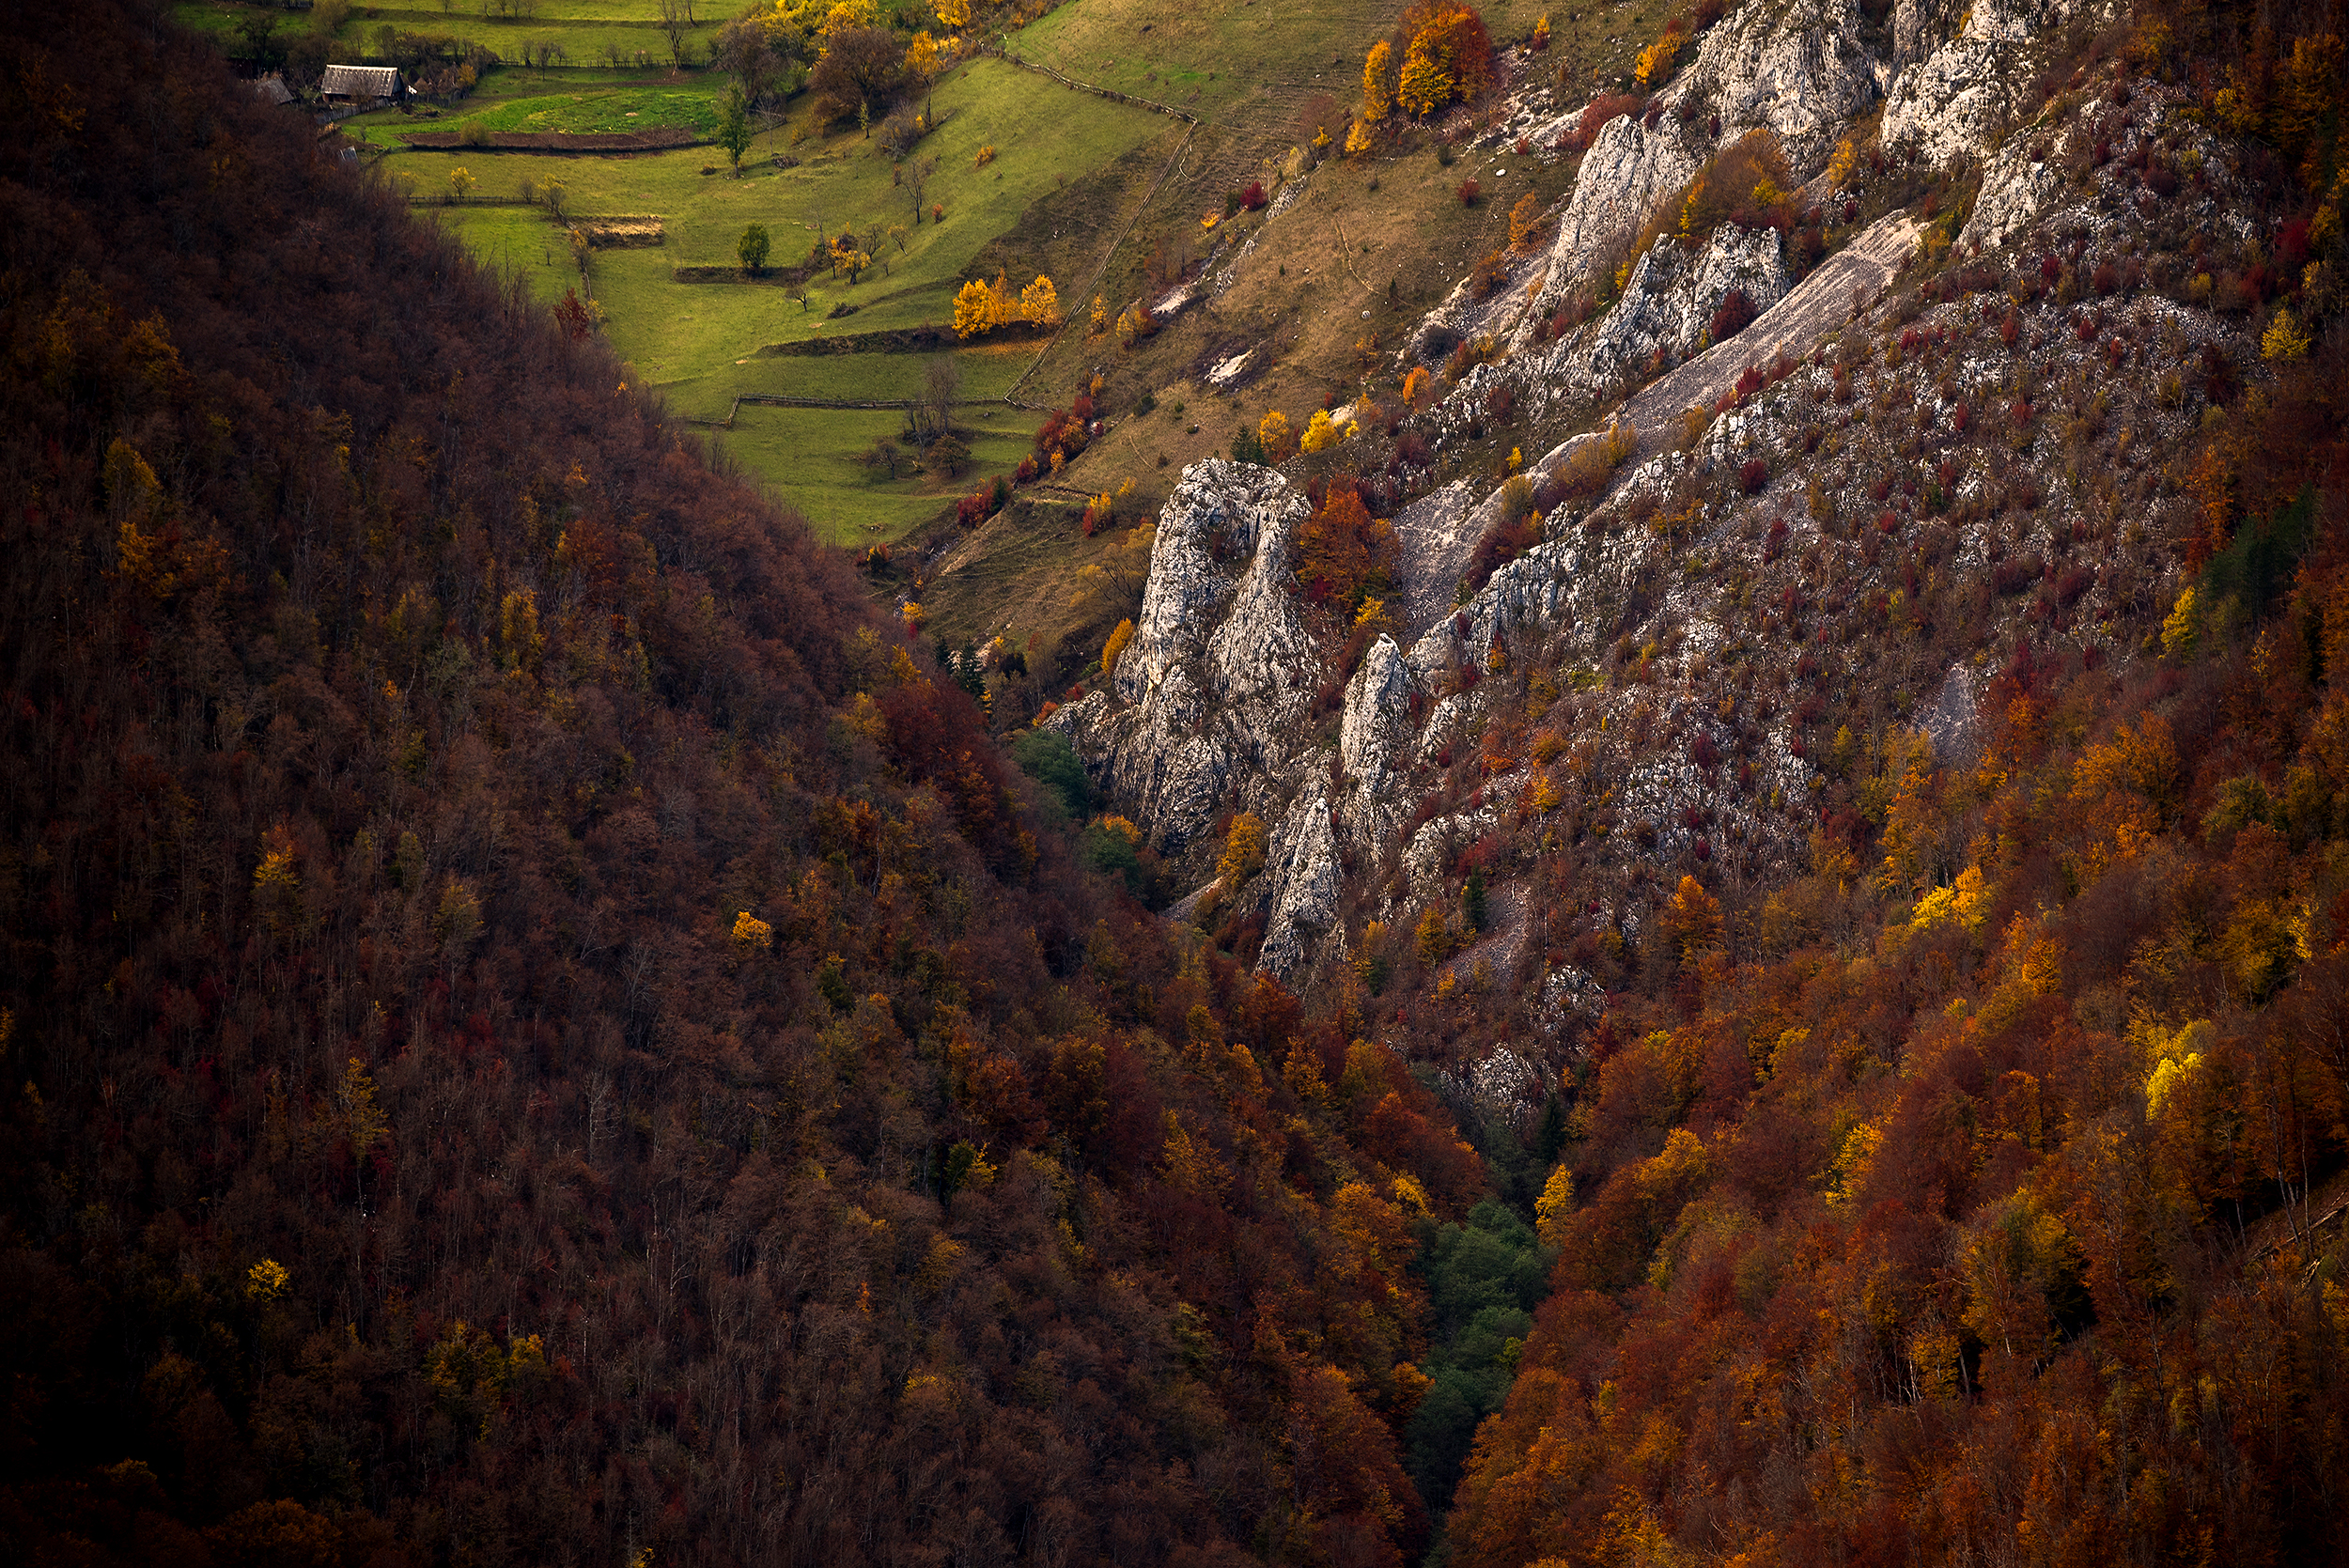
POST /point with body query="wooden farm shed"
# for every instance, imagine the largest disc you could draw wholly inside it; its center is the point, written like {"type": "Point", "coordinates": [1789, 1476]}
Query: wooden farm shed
{"type": "Point", "coordinates": [363, 87]}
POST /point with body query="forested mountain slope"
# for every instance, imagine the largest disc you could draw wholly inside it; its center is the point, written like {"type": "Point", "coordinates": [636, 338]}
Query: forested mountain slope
{"type": "Point", "coordinates": [532, 1034]}
{"type": "Point", "coordinates": [1884, 820]}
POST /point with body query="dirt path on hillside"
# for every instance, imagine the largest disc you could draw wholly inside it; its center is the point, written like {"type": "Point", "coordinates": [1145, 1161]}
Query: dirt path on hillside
{"type": "Point", "coordinates": [1794, 326]}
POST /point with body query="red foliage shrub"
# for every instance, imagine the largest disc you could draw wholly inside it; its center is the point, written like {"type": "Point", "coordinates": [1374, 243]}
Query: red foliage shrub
{"type": "Point", "coordinates": [1469, 190]}
{"type": "Point", "coordinates": [2016, 573]}
{"type": "Point", "coordinates": [1596, 113]}
{"type": "Point", "coordinates": [1252, 198]}
{"type": "Point", "coordinates": [1737, 313]}
{"type": "Point", "coordinates": [1752, 474]}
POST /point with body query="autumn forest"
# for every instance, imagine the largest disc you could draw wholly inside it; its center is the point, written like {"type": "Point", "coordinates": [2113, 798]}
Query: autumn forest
{"type": "Point", "coordinates": [539, 1025]}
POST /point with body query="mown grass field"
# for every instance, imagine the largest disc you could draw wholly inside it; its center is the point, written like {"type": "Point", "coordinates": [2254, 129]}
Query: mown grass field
{"type": "Point", "coordinates": [1069, 172]}
{"type": "Point", "coordinates": [564, 100]}
{"type": "Point", "coordinates": [809, 458]}
{"type": "Point", "coordinates": [607, 33]}
{"type": "Point", "coordinates": [700, 342]}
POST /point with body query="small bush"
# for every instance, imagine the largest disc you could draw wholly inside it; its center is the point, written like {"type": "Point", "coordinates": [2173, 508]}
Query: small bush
{"type": "Point", "coordinates": [2016, 573]}
{"type": "Point", "coordinates": [1737, 313]}
{"type": "Point", "coordinates": [1752, 474]}
{"type": "Point", "coordinates": [1600, 110]}
{"type": "Point", "coordinates": [1469, 191]}
{"type": "Point", "coordinates": [1252, 199]}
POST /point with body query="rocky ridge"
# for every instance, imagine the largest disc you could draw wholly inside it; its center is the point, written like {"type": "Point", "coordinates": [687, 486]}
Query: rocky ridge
{"type": "Point", "coordinates": [1941, 473]}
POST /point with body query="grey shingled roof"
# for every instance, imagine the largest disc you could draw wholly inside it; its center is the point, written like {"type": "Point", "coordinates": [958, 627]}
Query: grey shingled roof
{"type": "Point", "coordinates": [361, 81]}
{"type": "Point", "coordinates": [272, 89]}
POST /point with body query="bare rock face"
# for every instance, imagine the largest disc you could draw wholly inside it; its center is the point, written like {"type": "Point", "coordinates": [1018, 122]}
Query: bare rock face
{"type": "Point", "coordinates": [1953, 101]}
{"type": "Point", "coordinates": [1951, 105]}
{"type": "Point", "coordinates": [1667, 309]}
{"type": "Point", "coordinates": [1372, 740]}
{"type": "Point", "coordinates": [2016, 183]}
{"type": "Point", "coordinates": [1627, 172]}
{"type": "Point", "coordinates": [1210, 691]}
{"type": "Point", "coordinates": [1799, 71]}
{"type": "Point", "coordinates": [1302, 876]}
{"type": "Point", "coordinates": [1922, 26]}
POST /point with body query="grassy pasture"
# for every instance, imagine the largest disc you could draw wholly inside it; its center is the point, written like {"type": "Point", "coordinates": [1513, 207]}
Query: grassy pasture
{"type": "Point", "coordinates": [689, 335]}
{"type": "Point", "coordinates": [808, 457]}
{"type": "Point", "coordinates": [602, 33]}
{"type": "Point", "coordinates": [576, 101]}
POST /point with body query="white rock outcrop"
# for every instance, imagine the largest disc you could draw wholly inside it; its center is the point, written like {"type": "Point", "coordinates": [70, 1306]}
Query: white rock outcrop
{"type": "Point", "coordinates": [1666, 311]}
{"type": "Point", "coordinates": [1627, 172]}
{"type": "Point", "coordinates": [1799, 71]}
{"type": "Point", "coordinates": [1300, 874]}
{"type": "Point", "coordinates": [1211, 693]}
{"type": "Point", "coordinates": [1372, 737]}
{"type": "Point", "coordinates": [2016, 183]}
{"type": "Point", "coordinates": [1956, 102]}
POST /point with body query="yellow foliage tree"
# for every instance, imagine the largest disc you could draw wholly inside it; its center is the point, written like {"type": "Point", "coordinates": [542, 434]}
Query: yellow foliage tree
{"type": "Point", "coordinates": [1243, 851]}
{"type": "Point", "coordinates": [1433, 939]}
{"type": "Point", "coordinates": [1358, 138]}
{"type": "Point", "coordinates": [1656, 60]}
{"type": "Point", "coordinates": [955, 15]}
{"type": "Point", "coordinates": [1425, 85]}
{"type": "Point", "coordinates": [846, 16]}
{"type": "Point", "coordinates": [975, 310]}
{"type": "Point", "coordinates": [1039, 302]}
{"type": "Point", "coordinates": [1273, 431]}
{"type": "Point", "coordinates": [1840, 166]}
{"type": "Point", "coordinates": [1551, 1209]}
{"type": "Point", "coordinates": [1378, 85]}
{"type": "Point", "coordinates": [752, 932]}
{"type": "Point", "coordinates": [1115, 645]}
{"type": "Point", "coordinates": [2285, 338]}
{"type": "Point", "coordinates": [1693, 918]}
{"type": "Point", "coordinates": [1320, 435]}
{"type": "Point", "coordinates": [1524, 220]}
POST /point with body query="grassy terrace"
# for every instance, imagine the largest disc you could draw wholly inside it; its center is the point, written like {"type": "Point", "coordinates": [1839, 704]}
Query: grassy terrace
{"type": "Point", "coordinates": [607, 33]}
{"type": "Point", "coordinates": [702, 340]}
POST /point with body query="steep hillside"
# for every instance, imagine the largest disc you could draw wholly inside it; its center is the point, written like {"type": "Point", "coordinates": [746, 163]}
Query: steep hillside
{"type": "Point", "coordinates": [1716, 930]}
{"type": "Point", "coordinates": [535, 1033]}
{"type": "Point", "coordinates": [1826, 665]}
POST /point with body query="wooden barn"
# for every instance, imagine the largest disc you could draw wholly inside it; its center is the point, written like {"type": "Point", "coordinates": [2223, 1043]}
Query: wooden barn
{"type": "Point", "coordinates": [363, 87]}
